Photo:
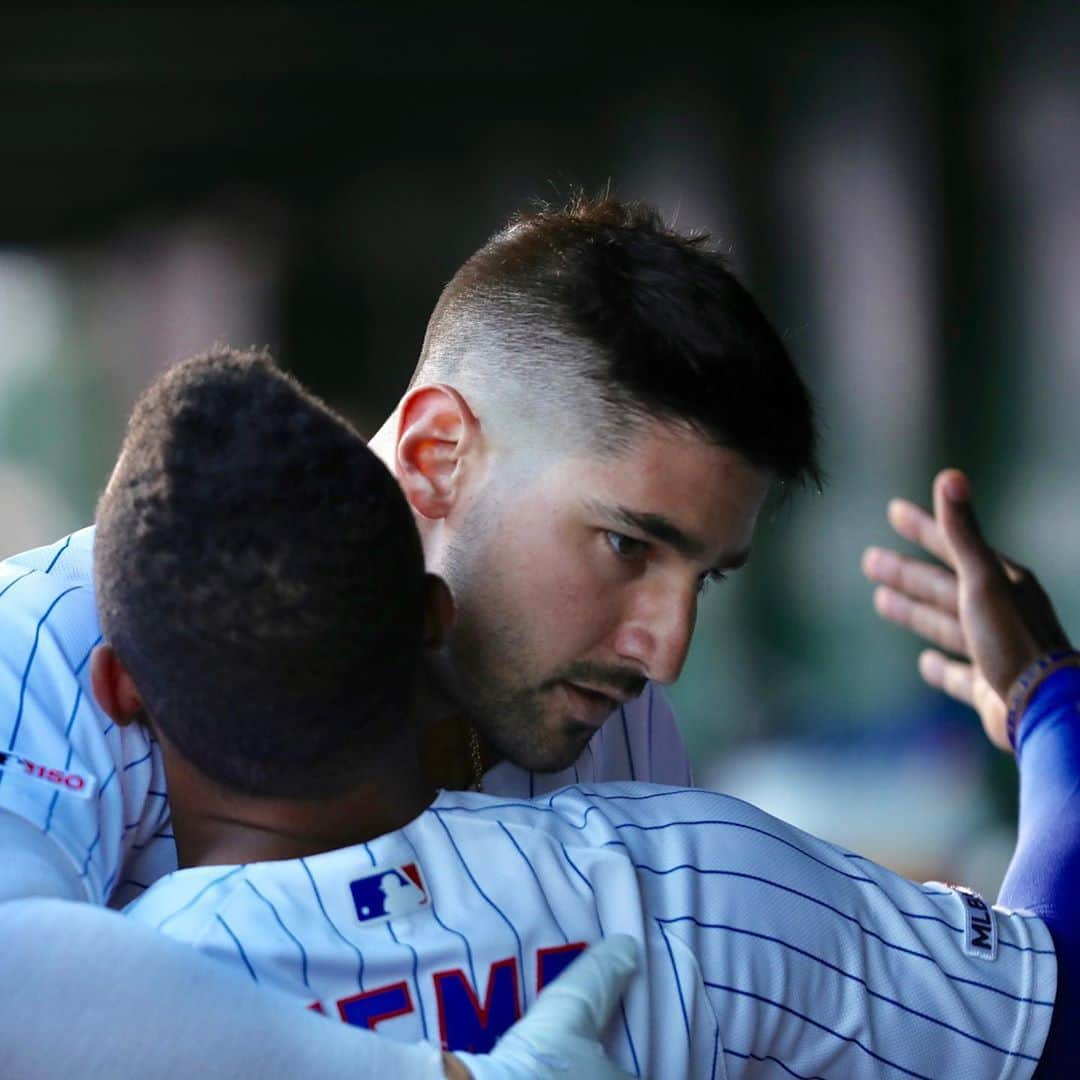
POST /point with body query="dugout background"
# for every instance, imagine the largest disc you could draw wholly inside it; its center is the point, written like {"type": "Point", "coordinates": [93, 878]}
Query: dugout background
{"type": "Point", "coordinates": [900, 187]}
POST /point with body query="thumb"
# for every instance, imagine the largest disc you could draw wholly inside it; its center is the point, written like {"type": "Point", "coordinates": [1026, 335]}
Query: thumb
{"type": "Point", "coordinates": [584, 996]}
{"type": "Point", "coordinates": [956, 519]}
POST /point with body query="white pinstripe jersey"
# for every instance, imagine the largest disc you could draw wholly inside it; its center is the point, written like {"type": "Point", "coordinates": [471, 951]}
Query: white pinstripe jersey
{"type": "Point", "coordinates": [99, 790]}
{"type": "Point", "coordinates": [768, 952]}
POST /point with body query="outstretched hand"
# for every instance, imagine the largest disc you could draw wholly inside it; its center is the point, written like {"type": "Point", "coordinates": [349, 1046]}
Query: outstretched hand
{"type": "Point", "coordinates": [980, 606]}
{"type": "Point", "coordinates": [559, 1037]}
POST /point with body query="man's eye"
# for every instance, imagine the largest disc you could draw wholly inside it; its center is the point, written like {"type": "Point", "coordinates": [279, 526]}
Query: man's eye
{"type": "Point", "coordinates": [713, 577]}
{"type": "Point", "coordinates": [626, 547]}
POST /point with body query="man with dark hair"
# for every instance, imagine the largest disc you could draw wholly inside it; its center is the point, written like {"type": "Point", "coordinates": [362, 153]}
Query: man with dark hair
{"type": "Point", "coordinates": [393, 926]}
{"type": "Point", "coordinates": [598, 415]}
{"type": "Point", "coordinates": [341, 610]}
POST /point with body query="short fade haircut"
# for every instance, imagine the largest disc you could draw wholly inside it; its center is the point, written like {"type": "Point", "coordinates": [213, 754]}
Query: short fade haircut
{"type": "Point", "coordinates": [602, 314]}
{"type": "Point", "coordinates": [259, 573]}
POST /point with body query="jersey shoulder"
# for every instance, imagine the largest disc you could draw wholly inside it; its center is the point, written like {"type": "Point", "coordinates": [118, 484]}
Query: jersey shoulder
{"type": "Point", "coordinates": [95, 789]}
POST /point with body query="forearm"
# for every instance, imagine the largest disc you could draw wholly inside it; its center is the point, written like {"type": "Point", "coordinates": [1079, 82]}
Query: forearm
{"type": "Point", "coordinates": [89, 992]}
{"type": "Point", "coordinates": [1044, 875]}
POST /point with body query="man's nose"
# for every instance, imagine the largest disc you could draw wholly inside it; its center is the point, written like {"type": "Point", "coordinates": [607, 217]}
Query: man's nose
{"type": "Point", "coordinates": [656, 631]}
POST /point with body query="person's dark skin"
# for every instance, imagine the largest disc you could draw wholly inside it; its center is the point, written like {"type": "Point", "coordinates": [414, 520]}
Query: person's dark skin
{"type": "Point", "coordinates": [216, 826]}
{"type": "Point", "coordinates": [978, 605]}
{"type": "Point", "coordinates": [213, 825]}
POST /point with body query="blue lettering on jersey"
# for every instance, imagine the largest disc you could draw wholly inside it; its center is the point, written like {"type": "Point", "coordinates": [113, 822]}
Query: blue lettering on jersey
{"type": "Point", "coordinates": [550, 963]}
{"type": "Point", "coordinates": [465, 1024]}
{"type": "Point", "coordinates": [373, 1007]}
{"type": "Point", "coordinates": [389, 892]}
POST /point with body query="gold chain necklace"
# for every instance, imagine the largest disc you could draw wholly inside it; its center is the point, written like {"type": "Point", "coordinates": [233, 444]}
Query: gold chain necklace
{"type": "Point", "coordinates": [477, 760]}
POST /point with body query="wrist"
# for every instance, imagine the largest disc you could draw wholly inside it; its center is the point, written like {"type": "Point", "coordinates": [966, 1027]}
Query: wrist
{"type": "Point", "coordinates": [1029, 681]}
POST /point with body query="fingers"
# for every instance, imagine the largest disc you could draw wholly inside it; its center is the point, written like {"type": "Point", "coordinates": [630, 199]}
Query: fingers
{"type": "Point", "coordinates": [586, 993]}
{"type": "Point", "coordinates": [939, 627]}
{"type": "Point", "coordinates": [915, 524]}
{"type": "Point", "coordinates": [955, 677]}
{"type": "Point", "coordinates": [960, 529]}
{"type": "Point", "coordinates": [917, 580]}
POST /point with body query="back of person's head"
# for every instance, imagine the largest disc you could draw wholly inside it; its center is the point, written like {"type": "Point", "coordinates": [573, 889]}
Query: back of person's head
{"type": "Point", "coordinates": [259, 574]}
{"type": "Point", "coordinates": [589, 320]}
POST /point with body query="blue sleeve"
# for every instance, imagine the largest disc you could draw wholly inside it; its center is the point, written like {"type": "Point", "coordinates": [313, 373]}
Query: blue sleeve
{"type": "Point", "coordinates": [1044, 876]}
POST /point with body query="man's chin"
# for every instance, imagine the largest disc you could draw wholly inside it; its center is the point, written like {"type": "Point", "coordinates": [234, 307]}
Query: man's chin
{"type": "Point", "coordinates": [561, 748]}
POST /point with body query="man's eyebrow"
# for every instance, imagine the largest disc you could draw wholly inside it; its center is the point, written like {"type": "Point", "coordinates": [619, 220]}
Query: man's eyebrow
{"type": "Point", "coordinates": [659, 527]}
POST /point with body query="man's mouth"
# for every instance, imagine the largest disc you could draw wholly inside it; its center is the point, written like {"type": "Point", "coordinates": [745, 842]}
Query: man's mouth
{"type": "Point", "coordinates": [588, 706]}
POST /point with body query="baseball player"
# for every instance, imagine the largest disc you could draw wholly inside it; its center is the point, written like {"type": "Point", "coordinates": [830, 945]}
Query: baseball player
{"type": "Point", "coordinates": [597, 414]}
{"type": "Point", "coordinates": [316, 859]}
{"type": "Point", "coordinates": [598, 338]}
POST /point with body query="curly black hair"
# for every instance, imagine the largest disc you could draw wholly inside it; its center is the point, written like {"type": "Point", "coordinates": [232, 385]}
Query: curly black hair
{"type": "Point", "coordinates": [259, 573]}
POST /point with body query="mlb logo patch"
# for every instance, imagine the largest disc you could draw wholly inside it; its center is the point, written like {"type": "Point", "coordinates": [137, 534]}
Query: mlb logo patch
{"type": "Point", "coordinates": [389, 892]}
{"type": "Point", "coordinates": [980, 925]}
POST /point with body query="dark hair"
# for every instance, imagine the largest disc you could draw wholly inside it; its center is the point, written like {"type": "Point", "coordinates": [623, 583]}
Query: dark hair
{"type": "Point", "coordinates": [259, 573]}
{"type": "Point", "coordinates": [603, 309]}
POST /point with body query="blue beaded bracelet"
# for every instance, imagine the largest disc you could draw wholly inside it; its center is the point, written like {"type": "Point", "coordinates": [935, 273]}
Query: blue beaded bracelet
{"type": "Point", "coordinates": [1029, 680]}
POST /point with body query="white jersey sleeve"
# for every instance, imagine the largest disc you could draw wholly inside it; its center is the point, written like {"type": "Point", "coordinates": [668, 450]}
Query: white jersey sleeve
{"type": "Point", "coordinates": [639, 741]}
{"type": "Point", "coordinates": [96, 790]}
{"type": "Point", "coordinates": [767, 952]}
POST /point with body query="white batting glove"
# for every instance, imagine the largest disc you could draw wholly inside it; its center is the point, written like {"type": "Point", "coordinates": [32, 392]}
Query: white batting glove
{"type": "Point", "coordinates": [559, 1037]}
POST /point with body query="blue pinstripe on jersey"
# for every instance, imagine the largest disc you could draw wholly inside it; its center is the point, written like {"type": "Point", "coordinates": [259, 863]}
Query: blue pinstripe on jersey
{"type": "Point", "coordinates": [600, 925]}
{"type": "Point", "coordinates": [415, 976]}
{"type": "Point", "coordinates": [776, 1061]}
{"type": "Point", "coordinates": [675, 976]}
{"type": "Point", "coordinates": [626, 736]}
{"type": "Point", "coordinates": [539, 884]}
{"type": "Point", "coordinates": [199, 895]}
{"type": "Point", "coordinates": [787, 945]}
{"type": "Point", "coordinates": [333, 926]}
{"type": "Point", "coordinates": [67, 730]}
{"type": "Point", "coordinates": [960, 930]}
{"type": "Point", "coordinates": [29, 663]}
{"type": "Point", "coordinates": [16, 581]}
{"type": "Point", "coordinates": [648, 720]}
{"type": "Point", "coordinates": [441, 922]}
{"type": "Point", "coordinates": [822, 1027]}
{"type": "Point", "coordinates": [836, 911]}
{"type": "Point", "coordinates": [239, 947]}
{"type": "Point", "coordinates": [138, 761]}
{"type": "Point", "coordinates": [491, 903]}
{"type": "Point", "coordinates": [727, 822]}
{"type": "Point", "coordinates": [288, 933]}
{"type": "Point", "coordinates": [56, 558]}
{"type": "Point", "coordinates": [772, 836]}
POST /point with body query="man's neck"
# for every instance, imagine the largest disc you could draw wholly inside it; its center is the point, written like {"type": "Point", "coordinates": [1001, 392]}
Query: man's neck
{"type": "Point", "coordinates": [217, 827]}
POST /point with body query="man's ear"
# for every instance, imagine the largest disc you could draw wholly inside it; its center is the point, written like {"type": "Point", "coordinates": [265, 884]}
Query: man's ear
{"type": "Point", "coordinates": [436, 433]}
{"type": "Point", "coordinates": [438, 611]}
{"type": "Point", "coordinates": [113, 686]}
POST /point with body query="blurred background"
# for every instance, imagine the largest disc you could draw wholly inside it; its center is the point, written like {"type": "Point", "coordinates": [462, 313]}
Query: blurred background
{"type": "Point", "coordinates": [899, 186]}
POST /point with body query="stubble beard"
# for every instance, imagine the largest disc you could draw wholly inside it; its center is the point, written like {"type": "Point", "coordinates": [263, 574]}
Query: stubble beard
{"type": "Point", "coordinates": [513, 712]}
{"type": "Point", "coordinates": [510, 706]}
